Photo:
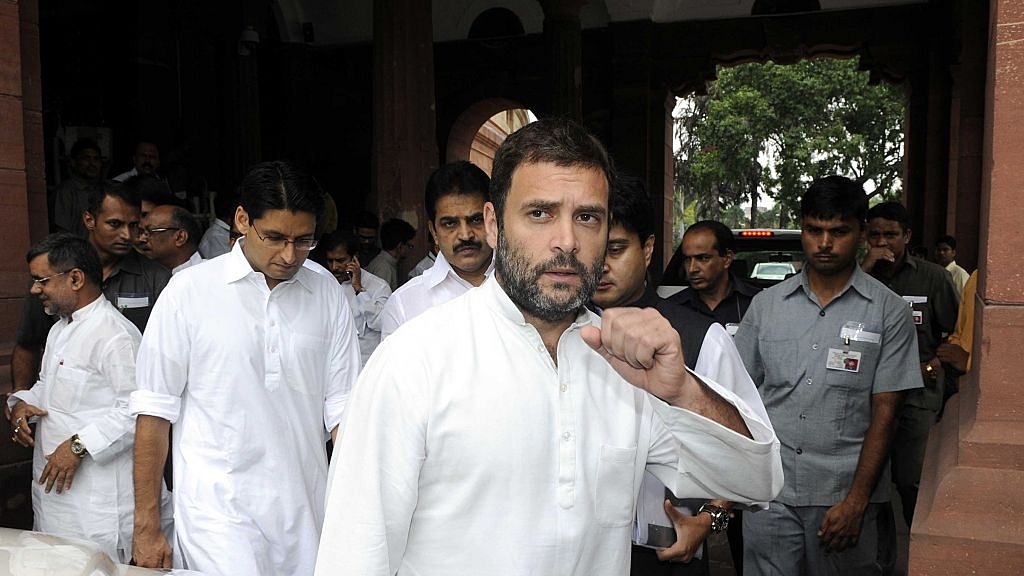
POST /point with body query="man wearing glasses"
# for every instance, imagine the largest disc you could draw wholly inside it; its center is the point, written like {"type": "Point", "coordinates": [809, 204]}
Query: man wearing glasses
{"type": "Point", "coordinates": [82, 460]}
{"type": "Point", "coordinates": [170, 236]}
{"type": "Point", "coordinates": [131, 283]}
{"type": "Point", "coordinates": [251, 357]}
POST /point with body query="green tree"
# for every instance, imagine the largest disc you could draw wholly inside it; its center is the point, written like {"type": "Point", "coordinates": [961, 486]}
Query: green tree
{"type": "Point", "coordinates": [771, 129]}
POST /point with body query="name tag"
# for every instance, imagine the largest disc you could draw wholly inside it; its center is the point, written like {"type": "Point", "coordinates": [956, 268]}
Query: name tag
{"type": "Point", "coordinates": [855, 331]}
{"type": "Point", "coordinates": [915, 300]}
{"type": "Point", "coordinates": [918, 317]}
{"type": "Point", "coordinates": [845, 360]}
{"type": "Point", "coordinates": [132, 301]}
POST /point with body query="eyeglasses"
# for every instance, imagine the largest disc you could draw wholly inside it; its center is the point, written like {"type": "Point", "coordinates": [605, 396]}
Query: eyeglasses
{"type": "Point", "coordinates": [301, 244]}
{"type": "Point", "coordinates": [43, 281]}
{"type": "Point", "coordinates": [151, 231]}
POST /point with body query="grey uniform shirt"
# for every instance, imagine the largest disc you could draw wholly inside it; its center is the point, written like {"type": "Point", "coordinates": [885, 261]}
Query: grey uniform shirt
{"type": "Point", "coordinates": [822, 413]}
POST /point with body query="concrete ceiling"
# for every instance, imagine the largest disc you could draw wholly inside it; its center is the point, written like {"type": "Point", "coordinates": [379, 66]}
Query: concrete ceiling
{"type": "Point", "coordinates": [351, 21]}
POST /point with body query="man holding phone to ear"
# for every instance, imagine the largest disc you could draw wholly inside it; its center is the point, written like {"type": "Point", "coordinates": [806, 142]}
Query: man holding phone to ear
{"type": "Point", "coordinates": [366, 293]}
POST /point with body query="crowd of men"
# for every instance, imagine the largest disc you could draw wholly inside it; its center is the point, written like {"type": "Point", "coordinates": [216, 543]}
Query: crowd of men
{"type": "Point", "coordinates": [524, 402]}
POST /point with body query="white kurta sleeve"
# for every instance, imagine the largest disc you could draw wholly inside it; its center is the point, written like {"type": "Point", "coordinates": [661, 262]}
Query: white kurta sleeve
{"type": "Point", "coordinates": [112, 433]}
{"type": "Point", "coordinates": [344, 363]}
{"type": "Point", "coordinates": [392, 316]}
{"type": "Point", "coordinates": [373, 484]}
{"type": "Point", "coordinates": [162, 366]}
{"type": "Point", "coordinates": [698, 458]}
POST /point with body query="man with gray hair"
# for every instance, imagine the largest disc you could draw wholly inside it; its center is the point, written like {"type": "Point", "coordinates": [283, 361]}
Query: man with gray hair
{"type": "Point", "coordinates": [170, 236]}
{"type": "Point", "coordinates": [82, 458]}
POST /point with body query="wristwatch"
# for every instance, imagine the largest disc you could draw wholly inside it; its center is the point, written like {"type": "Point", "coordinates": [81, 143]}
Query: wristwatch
{"type": "Point", "coordinates": [78, 447]}
{"type": "Point", "coordinates": [719, 517]}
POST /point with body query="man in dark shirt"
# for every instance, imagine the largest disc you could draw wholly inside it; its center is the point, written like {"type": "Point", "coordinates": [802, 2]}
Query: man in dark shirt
{"type": "Point", "coordinates": [624, 283]}
{"type": "Point", "coordinates": [714, 291]}
{"type": "Point", "coordinates": [130, 281]}
{"type": "Point", "coordinates": [928, 289]}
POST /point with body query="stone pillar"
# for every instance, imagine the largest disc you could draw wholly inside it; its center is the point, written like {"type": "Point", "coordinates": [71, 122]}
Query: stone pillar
{"type": "Point", "coordinates": [969, 514]}
{"type": "Point", "coordinates": [23, 215]}
{"type": "Point", "coordinates": [405, 148]}
{"type": "Point", "coordinates": [641, 127]}
{"type": "Point", "coordinates": [967, 134]}
{"type": "Point", "coordinates": [564, 44]}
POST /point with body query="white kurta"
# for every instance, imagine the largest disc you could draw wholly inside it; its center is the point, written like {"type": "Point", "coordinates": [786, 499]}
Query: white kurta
{"type": "Point", "coordinates": [367, 307]}
{"type": "Point", "coordinates": [437, 285]}
{"type": "Point", "coordinates": [88, 374]}
{"type": "Point", "coordinates": [467, 450]}
{"type": "Point", "coordinates": [251, 378]}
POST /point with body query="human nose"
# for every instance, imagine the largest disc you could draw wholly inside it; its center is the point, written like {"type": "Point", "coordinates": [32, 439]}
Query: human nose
{"type": "Point", "coordinates": [691, 265]}
{"type": "Point", "coordinates": [36, 289]}
{"type": "Point", "coordinates": [288, 252]}
{"type": "Point", "coordinates": [565, 240]}
{"type": "Point", "coordinates": [466, 231]}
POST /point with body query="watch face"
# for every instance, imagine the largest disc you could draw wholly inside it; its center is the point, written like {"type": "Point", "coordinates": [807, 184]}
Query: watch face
{"type": "Point", "coordinates": [77, 448]}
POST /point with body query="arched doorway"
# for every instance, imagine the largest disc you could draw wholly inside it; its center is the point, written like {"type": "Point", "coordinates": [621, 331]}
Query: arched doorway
{"type": "Point", "coordinates": [481, 128]}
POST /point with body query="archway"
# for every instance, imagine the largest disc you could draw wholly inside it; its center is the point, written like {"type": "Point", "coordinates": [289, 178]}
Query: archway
{"type": "Point", "coordinates": [481, 128]}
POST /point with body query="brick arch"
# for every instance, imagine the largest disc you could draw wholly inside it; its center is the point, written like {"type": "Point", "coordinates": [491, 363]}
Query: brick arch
{"type": "Point", "coordinates": [468, 125]}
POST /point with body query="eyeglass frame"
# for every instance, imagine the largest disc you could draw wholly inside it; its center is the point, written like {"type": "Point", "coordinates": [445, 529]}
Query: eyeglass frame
{"type": "Point", "coordinates": [284, 242]}
{"type": "Point", "coordinates": [42, 281]}
{"type": "Point", "coordinates": [142, 231]}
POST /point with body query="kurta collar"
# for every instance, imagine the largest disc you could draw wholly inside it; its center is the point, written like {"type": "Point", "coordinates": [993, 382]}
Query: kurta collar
{"type": "Point", "coordinates": [497, 296]}
{"type": "Point", "coordinates": [442, 269]}
{"type": "Point", "coordinates": [87, 310]}
{"type": "Point", "coordinates": [237, 267]}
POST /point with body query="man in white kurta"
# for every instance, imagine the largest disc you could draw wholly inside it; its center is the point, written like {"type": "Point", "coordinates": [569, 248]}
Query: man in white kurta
{"type": "Point", "coordinates": [492, 434]}
{"type": "Point", "coordinates": [87, 376]}
{"type": "Point", "coordinates": [252, 369]}
{"type": "Point", "coordinates": [439, 284]}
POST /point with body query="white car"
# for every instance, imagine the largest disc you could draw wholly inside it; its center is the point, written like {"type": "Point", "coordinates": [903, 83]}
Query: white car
{"type": "Point", "coordinates": [772, 270]}
{"type": "Point", "coordinates": [27, 553]}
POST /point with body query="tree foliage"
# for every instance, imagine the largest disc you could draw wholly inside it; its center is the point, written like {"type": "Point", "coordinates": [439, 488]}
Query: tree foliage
{"type": "Point", "coordinates": [768, 129]}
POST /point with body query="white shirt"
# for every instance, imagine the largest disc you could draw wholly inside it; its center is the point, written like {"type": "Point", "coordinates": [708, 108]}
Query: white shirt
{"type": "Point", "coordinates": [959, 276]}
{"type": "Point", "coordinates": [385, 266]}
{"type": "Point", "coordinates": [88, 374]}
{"type": "Point", "coordinates": [467, 450]}
{"type": "Point", "coordinates": [366, 309]}
{"type": "Point", "coordinates": [437, 285]}
{"type": "Point", "coordinates": [250, 378]}
{"type": "Point", "coordinates": [215, 240]}
{"type": "Point", "coordinates": [194, 259]}
{"type": "Point", "coordinates": [423, 265]}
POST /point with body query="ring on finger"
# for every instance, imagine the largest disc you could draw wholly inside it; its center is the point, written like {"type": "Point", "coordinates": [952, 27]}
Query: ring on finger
{"type": "Point", "coordinates": [16, 430]}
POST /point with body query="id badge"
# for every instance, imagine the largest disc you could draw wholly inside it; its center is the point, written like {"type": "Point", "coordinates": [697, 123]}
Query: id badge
{"type": "Point", "coordinates": [918, 317]}
{"type": "Point", "coordinates": [845, 360]}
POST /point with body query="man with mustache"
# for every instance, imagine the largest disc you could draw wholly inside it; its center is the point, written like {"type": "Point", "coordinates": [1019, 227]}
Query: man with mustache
{"type": "Point", "coordinates": [506, 431]}
{"type": "Point", "coordinates": [833, 353]}
{"type": "Point", "coordinates": [454, 200]}
{"type": "Point", "coordinates": [83, 440]}
{"type": "Point", "coordinates": [71, 198]}
{"type": "Point", "coordinates": [146, 160]}
{"type": "Point", "coordinates": [714, 290]}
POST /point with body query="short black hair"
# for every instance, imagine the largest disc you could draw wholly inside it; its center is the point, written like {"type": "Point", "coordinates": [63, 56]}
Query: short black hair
{"type": "Point", "coordinates": [559, 141]}
{"type": "Point", "coordinates": [113, 189]}
{"type": "Point", "coordinates": [152, 189]}
{"type": "Point", "coordinates": [893, 211]}
{"type": "Point", "coordinates": [278, 185]}
{"type": "Point", "coordinates": [365, 219]}
{"type": "Point", "coordinates": [340, 238]}
{"type": "Point", "coordinates": [947, 240]}
{"type": "Point", "coordinates": [455, 178]}
{"type": "Point", "coordinates": [630, 206]}
{"type": "Point", "coordinates": [394, 232]}
{"type": "Point", "coordinates": [65, 251]}
{"type": "Point", "coordinates": [835, 197]}
{"type": "Point", "coordinates": [185, 220]}
{"type": "Point", "coordinates": [83, 144]}
{"type": "Point", "coordinates": [724, 241]}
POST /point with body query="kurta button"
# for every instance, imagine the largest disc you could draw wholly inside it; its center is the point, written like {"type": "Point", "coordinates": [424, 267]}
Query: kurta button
{"type": "Point", "coordinates": [814, 346]}
{"type": "Point", "coordinates": [799, 451]}
{"type": "Point", "coordinates": [803, 416]}
{"type": "Point", "coordinates": [821, 313]}
{"type": "Point", "coordinates": [566, 436]}
{"type": "Point", "coordinates": [564, 388]}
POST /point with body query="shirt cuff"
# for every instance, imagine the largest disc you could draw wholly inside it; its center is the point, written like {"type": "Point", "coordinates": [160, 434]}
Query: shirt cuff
{"type": "Point", "coordinates": [156, 404]}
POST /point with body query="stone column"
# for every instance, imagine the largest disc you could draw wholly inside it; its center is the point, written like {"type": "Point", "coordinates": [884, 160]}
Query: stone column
{"type": "Point", "coordinates": [641, 127]}
{"type": "Point", "coordinates": [405, 148]}
{"type": "Point", "coordinates": [564, 43]}
{"type": "Point", "coordinates": [23, 215]}
{"type": "Point", "coordinates": [969, 514]}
